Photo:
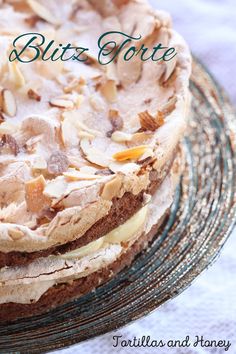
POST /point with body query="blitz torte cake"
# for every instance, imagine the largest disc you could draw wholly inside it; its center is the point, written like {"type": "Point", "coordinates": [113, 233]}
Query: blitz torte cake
{"type": "Point", "coordinates": [89, 153]}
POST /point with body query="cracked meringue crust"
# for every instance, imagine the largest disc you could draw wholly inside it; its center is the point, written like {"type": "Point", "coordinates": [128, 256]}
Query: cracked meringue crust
{"type": "Point", "coordinates": [68, 149]}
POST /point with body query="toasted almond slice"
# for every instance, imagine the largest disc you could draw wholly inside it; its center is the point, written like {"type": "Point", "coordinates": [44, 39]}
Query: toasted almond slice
{"type": "Point", "coordinates": [57, 163]}
{"type": "Point", "coordinates": [15, 234]}
{"type": "Point", "coordinates": [35, 199]}
{"type": "Point", "coordinates": [130, 154]}
{"type": "Point", "coordinates": [150, 123]}
{"type": "Point", "coordinates": [16, 75]}
{"type": "Point", "coordinates": [8, 103]}
{"type": "Point", "coordinates": [75, 175]}
{"type": "Point", "coordinates": [34, 95]}
{"type": "Point", "coordinates": [112, 188]}
{"type": "Point", "coordinates": [121, 137]}
{"type": "Point", "coordinates": [109, 90]}
{"type": "Point", "coordinates": [93, 155]}
{"type": "Point", "coordinates": [43, 12]}
{"type": "Point", "coordinates": [61, 103]}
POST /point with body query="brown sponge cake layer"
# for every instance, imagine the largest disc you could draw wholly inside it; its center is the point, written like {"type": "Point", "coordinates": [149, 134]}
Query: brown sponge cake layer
{"type": "Point", "coordinates": [63, 293]}
{"type": "Point", "coordinates": [122, 209]}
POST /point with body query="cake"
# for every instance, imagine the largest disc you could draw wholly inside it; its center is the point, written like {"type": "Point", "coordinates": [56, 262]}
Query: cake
{"type": "Point", "coordinates": [90, 154]}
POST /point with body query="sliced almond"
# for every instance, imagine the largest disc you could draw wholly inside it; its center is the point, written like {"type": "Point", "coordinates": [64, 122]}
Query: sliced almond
{"type": "Point", "coordinates": [16, 75]}
{"type": "Point", "coordinates": [8, 103]}
{"type": "Point", "coordinates": [57, 163]}
{"type": "Point", "coordinates": [150, 123]}
{"type": "Point", "coordinates": [43, 12]}
{"type": "Point", "coordinates": [128, 71]}
{"type": "Point", "coordinates": [15, 234]}
{"type": "Point", "coordinates": [93, 155]}
{"type": "Point", "coordinates": [8, 144]}
{"type": "Point", "coordinates": [33, 95]}
{"type": "Point", "coordinates": [35, 199]}
{"type": "Point", "coordinates": [146, 155]}
{"type": "Point", "coordinates": [130, 154]}
{"type": "Point", "coordinates": [112, 188]}
{"type": "Point", "coordinates": [121, 137]}
{"type": "Point", "coordinates": [109, 90]}
{"type": "Point", "coordinates": [75, 175]}
{"type": "Point", "coordinates": [61, 103]}
{"type": "Point", "coordinates": [116, 121]}
{"type": "Point", "coordinates": [169, 69]}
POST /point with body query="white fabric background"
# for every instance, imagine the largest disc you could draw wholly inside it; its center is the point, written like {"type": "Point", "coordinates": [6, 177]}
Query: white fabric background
{"type": "Point", "coordinates": [208, 307]}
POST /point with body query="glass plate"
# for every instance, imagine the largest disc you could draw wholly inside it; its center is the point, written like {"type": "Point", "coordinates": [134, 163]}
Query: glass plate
{"type": "Point", "coordinates": [201, 219]}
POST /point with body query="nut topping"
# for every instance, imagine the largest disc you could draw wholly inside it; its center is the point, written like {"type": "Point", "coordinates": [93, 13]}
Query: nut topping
{"type": "Point", "coordinates": [35, 199]}
{"type": "Point", "coordinates": [150, 123]}
{"type": "Point", "coordinates": [8, 103]}
{"type": "Point", "coordinates": [74, 175]}
{"type": "Point", "coordinates": [130, 154]}
{"type": "Point", "coordinates": [111, 188]}
{"type": "Point", "coordinates": [34, 95]}
{"type": "Point", "coordinates": [57, 163]}
{"type": "Point", "coordinates": [109, 90]}
{"type": "Point", "coordinates": [116, 121]}
{"type": "Point", "coordinates": [61, 103]}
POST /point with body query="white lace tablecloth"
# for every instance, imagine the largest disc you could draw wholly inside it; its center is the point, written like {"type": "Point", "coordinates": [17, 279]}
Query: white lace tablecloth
{"type": "Point", "coordinates": [208, 307]}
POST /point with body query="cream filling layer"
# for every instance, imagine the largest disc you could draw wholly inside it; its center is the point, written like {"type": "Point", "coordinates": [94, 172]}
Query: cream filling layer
{"type": "Point", "coordinates": [122, 233]}
{"type": "Point", "coordinates": [26, 284]}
